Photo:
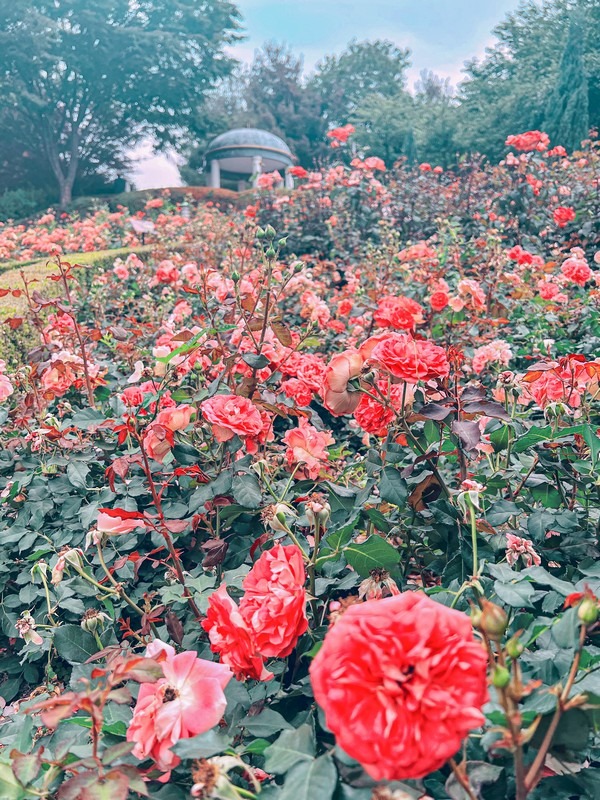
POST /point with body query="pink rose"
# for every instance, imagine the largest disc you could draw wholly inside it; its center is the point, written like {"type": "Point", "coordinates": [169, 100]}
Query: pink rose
{"type": "Point", "coordinates": [337, 398]}
{"type": "Point", "coordinates": [187, 701]}
{"type": "Point", "coordinates": [117, 520]}
{"type": "Point", "coordinates": [306, 445]}
{"type": "Point", "coordinates": [232, 415]}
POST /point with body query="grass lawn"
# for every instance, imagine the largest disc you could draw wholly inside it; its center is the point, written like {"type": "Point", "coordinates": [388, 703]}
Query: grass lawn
{"type": "Point", "coordinates": [10, 277]}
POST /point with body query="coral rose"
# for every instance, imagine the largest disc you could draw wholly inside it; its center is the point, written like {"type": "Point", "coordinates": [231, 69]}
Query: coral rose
{"type": "Point", "coordinates": [400, 312]}
{"type": "Point", "coordinates": [187, 701]}
{"type": "Point", "coordinates": [576, 270]}
{"type": "Point", "coordinates": [231, 415]}
{"type": "Point", "coordinates": [411, 360]}
{"type": "Point", "coordinates": [529, 141]}
{"type": "Point", "coordinates": [232, 638]}
{"type": "Point", "coordinates": [337, 398]}
{"type": "Point", "coordinates": [274, 602]}
{"type": "Point", "coordinates": [306, 445]}
{"type": "Point", "coordinates": [402, 682]}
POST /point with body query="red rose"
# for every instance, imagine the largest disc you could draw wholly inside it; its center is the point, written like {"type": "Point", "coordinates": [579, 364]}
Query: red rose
{"type": "Point", "coordinates": [402, 682]}
{"type": "Point", "coordinates": [563, 215]}
{"type": "Point", "coordinates": [274, 603]}
{"type": "Point", "coordinates": [439, 300]}
{"type": "Point", "coordinates": [232, 639]}
{"type": "Point", "coordinates": [411, 360]}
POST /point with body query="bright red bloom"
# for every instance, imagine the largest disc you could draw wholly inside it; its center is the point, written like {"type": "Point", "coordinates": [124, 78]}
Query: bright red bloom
{"type": "Point", "coordinates": [411, 360]}
{"type": "Point", "coordinates": [274, 602]}
{"type": "Point", "coordinates": [402, 682]}
{"type": "Point", "coordinates": [298, 172]}
{"type": "Point", "coordinates": [341, 134]}
{"type": "Point", "coordinates": [232, 638]}
{"type": "Point", "coordinates": [439, 300]}
{"type": "Point", "coordinates": [563, 215]}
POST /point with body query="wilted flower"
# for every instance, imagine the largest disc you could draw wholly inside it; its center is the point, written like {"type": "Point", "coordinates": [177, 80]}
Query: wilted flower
{"type": "Point", "coordinates": [516, 548]}
{"type": "Point", "coordinates": [26, 626]}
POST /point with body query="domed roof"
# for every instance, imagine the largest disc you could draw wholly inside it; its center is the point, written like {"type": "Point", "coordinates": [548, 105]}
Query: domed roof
{"type": "Point", "coordinates": [248, 139]}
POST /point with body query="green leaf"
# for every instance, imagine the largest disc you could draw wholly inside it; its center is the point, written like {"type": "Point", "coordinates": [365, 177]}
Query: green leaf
{"type": "Point", "coordinates": [255, 360]}
{"type": "Point", "coordinates": [310, 780]}
{"type": "Point", "coordinates": [517, 595]}
{"type": "Point", "coordinates": [289, 749]}
{"type": "Point", "coordinates": [205, 745]}
{"type": "Point", "coordinates": [374, 553]}
{"type": "Point", "coordinates": [246, 491]}
{"type": "Point", "coordinates": [378, 520]}
{"type": "Point", "coordinates": [77, 473]}
{"type": "Point", "coordinates": [533, 436]}
{"type": "Point", "coordinates": [266, 723]}
{"type": "Point", "coordinates": [74, 644]}
{"type": "Point", "coordinates": [9, 788]}
{"type": "Point", "coordinates": [392, 487]}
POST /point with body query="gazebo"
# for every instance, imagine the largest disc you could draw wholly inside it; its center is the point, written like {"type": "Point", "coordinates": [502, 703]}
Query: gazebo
{"type": "Point", "coordinates": [244, 153]}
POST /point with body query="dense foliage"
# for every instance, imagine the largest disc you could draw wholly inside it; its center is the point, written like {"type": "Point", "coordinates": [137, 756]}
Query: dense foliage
{"type": "Point", "coordinates": [82, 82]}
{"type": "Point", "coordinates": [305, 503]}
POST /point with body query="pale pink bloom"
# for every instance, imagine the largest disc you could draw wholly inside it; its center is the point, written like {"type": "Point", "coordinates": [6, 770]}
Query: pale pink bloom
{"type": "Point", "coordinates": [6, 388]}
{"type": "Point", "coordinates": [496, 352]}
{"type": "Point", "coordinates": [120, 270]}
{"type": "Point", "coordinates": [136, 375]}
{"type": "Point", "coordinates": [187, 701]}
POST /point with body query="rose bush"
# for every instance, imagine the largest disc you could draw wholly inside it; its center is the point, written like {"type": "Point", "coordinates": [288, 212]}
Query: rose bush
{"type": "Point", "coordinates": [305, 501]}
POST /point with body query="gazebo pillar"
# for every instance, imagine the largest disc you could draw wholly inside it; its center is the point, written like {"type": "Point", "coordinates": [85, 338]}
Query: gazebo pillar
{"type": "Point", "coordinates": [215, 174]}
{"type": "Point", "coordinates": [289, 180]}
{"type": "Point", "coordinates": [256, 169]}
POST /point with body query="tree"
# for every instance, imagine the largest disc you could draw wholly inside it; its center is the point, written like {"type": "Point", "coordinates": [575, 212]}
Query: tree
{"type": "Point", "coordinates": [567, 112]}
{"type": "Point", "coordinates": [271, 93]}
{"type": "Point", "coordinates": [436, 120]}
{"type": "Point", "coordinates": [344, 81]}
{"type": "Point", "coordinates": [279, 100]}
{"type": "Point", "coordinates": [507, 92]}
{"type": "Point", "coordinates": [385, 126]}
{"type": "Point", "coordinates": [81, 82]}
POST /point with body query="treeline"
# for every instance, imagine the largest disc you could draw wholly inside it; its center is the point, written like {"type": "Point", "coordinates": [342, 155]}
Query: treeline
{"type": "Point", "coordinates": [543, 72]}
{"type": "Point", "coordinates": [82, 82]}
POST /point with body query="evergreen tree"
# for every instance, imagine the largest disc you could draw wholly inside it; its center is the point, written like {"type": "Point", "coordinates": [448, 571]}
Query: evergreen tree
{"type": "Point", "coordinates": [567, 112]}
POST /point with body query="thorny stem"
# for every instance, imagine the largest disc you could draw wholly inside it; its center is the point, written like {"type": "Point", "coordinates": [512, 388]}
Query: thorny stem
{"type": "Point", "coordinates": [533, 774]}
{"type": "Point", "coordinates": [461, 776]}
{"type": "Point", "coordinates": [166, 534]}
{"type": "Point", "coordinates": [119, 588]}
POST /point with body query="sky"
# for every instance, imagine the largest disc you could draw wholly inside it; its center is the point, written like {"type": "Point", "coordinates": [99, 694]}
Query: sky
{"type": "Point", "coordinates": [441, 35]}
